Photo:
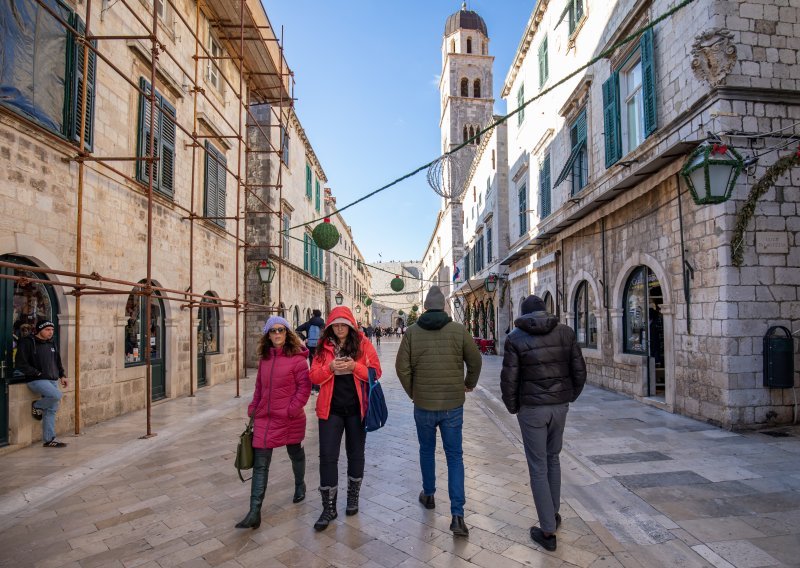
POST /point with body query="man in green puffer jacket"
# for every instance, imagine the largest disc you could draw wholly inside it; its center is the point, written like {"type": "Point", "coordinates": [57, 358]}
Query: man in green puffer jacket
{"type": "Point", "coordinates": [430, 365]}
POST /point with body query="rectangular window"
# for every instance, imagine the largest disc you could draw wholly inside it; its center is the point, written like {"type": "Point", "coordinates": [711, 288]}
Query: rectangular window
{"type": "Point", "coordinates": [629, 102]}
{"type": "Point", "coordinates": [544, 188]}
{"type": "Point", "coordinates": [308, 181]}
{"type": "Point", "coordinates": [544, 69]}
{"type": "Point", "coordinates": [163, 141]}
{"type": "Point", "coordinates": [284, 145]}
{"type": "Point", "coordinates": [575, 11]}
{"type": "Point", "coordinates": [287, 221]}
{"type": "Point", "coordinates": [489, 245]}
{"type": "Point", "coordinates": [215, 63]}
{"type": "Point", "coordinates": [41, 68]}
{"type": "Point", "coordinates": [580, 165]}
{"type": "Point", "coordinates": [522, 195]}
{"type": "Point", "coordinates": [317, 196]}
{"type": "Point", "coordinates": [466, 265]}
{"type": "Point", "coordinates": [215, 183]}
{"type": "Point", "coordinates": [520, 102]}
{"type": "Point", "coordinates": [488, 187]}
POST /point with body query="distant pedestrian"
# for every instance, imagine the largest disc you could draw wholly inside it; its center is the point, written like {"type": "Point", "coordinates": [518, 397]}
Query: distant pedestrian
{"type": "Point", "coordinates": [341, 368]}
{"type": "Point", "coordinates": [430, 365]}
{"type": "Point", "coordinates": [281, 392]}
{"type": "Point", "coordinates": [311, 331]}
{"type": "Point", "coordinates": [543, 371]}
{"type": "Point", "coordinates": [39, 361]}
{"type": "Point", "coordinates": [378, 334]}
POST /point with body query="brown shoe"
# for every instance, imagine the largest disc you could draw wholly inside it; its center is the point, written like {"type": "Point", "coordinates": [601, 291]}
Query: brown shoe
{"type": "Point", "coordinates": [54, 444]}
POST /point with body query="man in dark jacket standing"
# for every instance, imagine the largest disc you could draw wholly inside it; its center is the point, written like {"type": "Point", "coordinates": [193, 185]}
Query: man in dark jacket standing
{"type": "Point", "coordinates": [38, 359]}
{"type": "Point", "coordinates": [543, 371]}
{"type": "Point", "coordinates": [311, 331]}
{"type": "Point", "coordinates": [430, 366]}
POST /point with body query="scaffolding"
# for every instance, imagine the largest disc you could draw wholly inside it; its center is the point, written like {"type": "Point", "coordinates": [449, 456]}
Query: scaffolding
{"type": "Point", "coordinates": [264, 78]}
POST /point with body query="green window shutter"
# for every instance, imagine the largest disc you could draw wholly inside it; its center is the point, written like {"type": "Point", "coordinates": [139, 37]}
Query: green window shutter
{"type": "Point", "coordinates": [648, 83]}
{"type": "Point", "coordinates": [489, 244]}
{"type": "Point", "coordinates": [320, 263]}
{"type": "Point", "coordinates": [167, 162]}
{"type": "Point", "coordinates": [520, 102]}
{"type": "Point", "coordinates": [143, 140]}
{"type": "Point", "coordinates": [544, 188]}
{"type": "Point", "coordinates": [305, 252]}
{"type": "Point", "coordinates": [211, 183]}
{"type": "Point", "coordinates": [581, 126]}
{"type": "Point", "coordinates": [308, 181]}
{"type": "Point", "coordinates": [611, 120]}
{"type": "Point", "coordinates": [317, 199]}
{"type": "Point", "coordinates": [523, 213]}
{"type": "Point", "coordinates": [75, 76]}
{"type": "Point", "coordinates": [544, 70]}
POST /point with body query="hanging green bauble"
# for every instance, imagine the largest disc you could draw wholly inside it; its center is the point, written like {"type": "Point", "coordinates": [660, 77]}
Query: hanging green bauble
{"type": "Point", "coordinates": [326, 235]}
{"type": "Point", "coordinates": [368, 302]}
{"type": "Point", "coordinates": [401, 312]}
{"type": "Point", "coordinates": [397, 284]}
{"type": "Point", "coordinates": [414, 308]}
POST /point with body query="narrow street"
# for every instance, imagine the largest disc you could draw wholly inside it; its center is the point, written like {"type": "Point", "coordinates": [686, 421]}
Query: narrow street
{"type": "Point", "coordinates": [642, 488]}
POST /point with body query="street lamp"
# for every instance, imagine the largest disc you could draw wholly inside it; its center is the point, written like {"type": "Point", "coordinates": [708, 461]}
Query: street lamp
{"type": "Point", "coordinates": [339, 298]}
{"type": "Point", "coordinates": [358, 309]}
{"type": "Point", "coordinates": [711, 172]}
{"type": "Point", "coordinates": [266, 271]}
{"type": "Point", "coordinates": [457, 303]}
{"type": "Point", "coordinates": [491, 283]}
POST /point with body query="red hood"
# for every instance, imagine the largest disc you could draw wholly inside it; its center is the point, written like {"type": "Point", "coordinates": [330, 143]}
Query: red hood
{"type": "Point", "coordinates": [341, 312]}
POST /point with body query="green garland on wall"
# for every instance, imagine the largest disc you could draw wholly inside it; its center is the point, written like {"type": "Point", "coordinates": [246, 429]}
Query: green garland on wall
{"type": "Point", "coordinates": [774, 172]}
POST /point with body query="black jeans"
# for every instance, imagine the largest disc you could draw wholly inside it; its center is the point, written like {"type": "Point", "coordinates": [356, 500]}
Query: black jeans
{"type": "Point", "coordinates": [330, 442]}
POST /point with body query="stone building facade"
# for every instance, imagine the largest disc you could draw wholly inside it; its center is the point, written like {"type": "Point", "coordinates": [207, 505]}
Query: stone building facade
{"type": "Point", "coordinates": [387, 304]}
{"type": "Point", "coordinates": [609, 234]}
{"type": "Point", "coordinates": [195, 218]}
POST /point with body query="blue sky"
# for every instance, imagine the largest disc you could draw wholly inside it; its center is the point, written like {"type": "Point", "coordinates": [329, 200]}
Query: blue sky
{"type": "Point", "coordinates": [366, 83]}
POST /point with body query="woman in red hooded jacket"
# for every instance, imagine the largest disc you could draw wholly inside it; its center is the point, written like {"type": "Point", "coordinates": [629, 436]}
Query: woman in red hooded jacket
{"type": "Point", "coordinates": [340, 367]}
{"type": "Point", "coordinates": [281, 392]}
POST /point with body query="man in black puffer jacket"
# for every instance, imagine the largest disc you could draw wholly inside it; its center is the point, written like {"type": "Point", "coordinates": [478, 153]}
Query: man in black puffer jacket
{"type": "Point", "coordinates": [543, 371]}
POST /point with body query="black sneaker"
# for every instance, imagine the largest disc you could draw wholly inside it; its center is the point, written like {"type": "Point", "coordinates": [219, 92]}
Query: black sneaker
{"type": "Point", "coordinates": [427, 500]}
{"type": "Point", "coordinates": [546, 542]}
{"type": "Point", "coordinates": [54, 444]}
{"type": "Point", "coordinates": [36, 412]}
{"type": "Point", "coordinates": [458, 526]}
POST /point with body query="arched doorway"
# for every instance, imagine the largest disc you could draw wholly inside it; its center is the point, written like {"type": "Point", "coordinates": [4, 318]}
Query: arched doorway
{"type": "Point", "coordinates": [490, 317]}
{"type": "Point", "coordinates": [482, 321]}
{"type": "Point", "coordinates": [135, 334]}
{"type": "Point", "coordinates": [21, 304]}
{"type": "Point", "coordinates": [548, 303]}
{"type": "Point", "coordinates": [643, 325]}
{"type": "Point", "coordinates": [207, 337]}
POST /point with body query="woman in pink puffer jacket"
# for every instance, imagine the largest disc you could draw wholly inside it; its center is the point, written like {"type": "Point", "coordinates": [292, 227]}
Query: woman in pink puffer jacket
{"type": "Point", "coordinates": [278, 407]}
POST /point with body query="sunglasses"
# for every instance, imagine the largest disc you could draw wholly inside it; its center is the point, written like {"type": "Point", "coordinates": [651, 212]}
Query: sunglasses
{"type": "Point", "coordinates": [277, 330]}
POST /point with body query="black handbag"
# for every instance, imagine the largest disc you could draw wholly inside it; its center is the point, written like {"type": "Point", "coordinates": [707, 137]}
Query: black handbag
{"type": "Point", "coordinates": [244, 451]}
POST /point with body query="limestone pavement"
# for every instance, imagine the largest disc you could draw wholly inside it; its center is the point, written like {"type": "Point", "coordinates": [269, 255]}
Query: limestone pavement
{"type": "Point", "coordinates": [642, 488]}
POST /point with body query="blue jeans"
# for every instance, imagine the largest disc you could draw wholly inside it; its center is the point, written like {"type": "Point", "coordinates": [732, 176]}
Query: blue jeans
{"type": "Point", "coordinates": [51, 398]}
{"type": "Point", "coordinates": [449, 423]}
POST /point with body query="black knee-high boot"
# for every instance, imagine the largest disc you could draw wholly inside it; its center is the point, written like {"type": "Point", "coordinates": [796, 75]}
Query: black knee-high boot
{"type": "Point", "coordinates": [298, 457]}
{"type": "Point", "coordinates": [258, 489]}
{"type": "Point", "coordinates": [328, 508]}
{"type": "Point", "coordinates": [353, 489]}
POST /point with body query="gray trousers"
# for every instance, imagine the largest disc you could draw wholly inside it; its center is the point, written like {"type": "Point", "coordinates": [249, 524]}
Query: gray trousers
{"type": "Point", "coordinates": [542, 430]}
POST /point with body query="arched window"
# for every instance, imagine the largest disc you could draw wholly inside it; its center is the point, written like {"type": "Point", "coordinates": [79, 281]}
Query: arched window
{"type": "Point", "coordinates": [477, 135]}
{"type": "Point", "coordinates": [282, 310]}
{"type": "Point", "coordinates": [548, 302]}
{"type": "Point", "coordinates": [476, 89]}
{"type": "Point", "coordinates": [469, 45]}
{"type": "Point", "coordinates": [585, 320]}
{"type": "Point", "coordinates": [466, 137]}
{"type": "Point", "coordinates": [308, 314]}
{"type": "Point", "coordinates": [642, 320]}
{"type": "Point", "coordinates": [208, 329]}
{"type": "Point", "coordinates": [464, 87]}
{"type": "Point", "coordinates": [296, 317]}
{"type": "Point", "coordinates": [471, 132]}
{"type": "Point", "coordinates": [452, 46]}
{"type": "Point", "coordinates": [483, 48]}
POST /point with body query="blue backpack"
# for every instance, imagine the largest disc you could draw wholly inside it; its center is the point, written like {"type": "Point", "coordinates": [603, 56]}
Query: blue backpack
{"type": "Point", "coordinates": [313, 336]}
{"type": "Point", "coordinates": [377, 413]}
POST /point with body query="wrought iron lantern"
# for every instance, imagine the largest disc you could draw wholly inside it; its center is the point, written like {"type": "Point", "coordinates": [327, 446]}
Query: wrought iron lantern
{"type": "Point", "coordinates": [358, 309]}
{"type": "Point", "coordinates": [266, 271]}
{"type": "Point", "coordinates": [339, 298]}
{"type": "Point", "coordinates": [457, 303]}
{"type": "Point", "coordinates": [491, 283]}
{"type": "Point", "coordinates": [711, 172]}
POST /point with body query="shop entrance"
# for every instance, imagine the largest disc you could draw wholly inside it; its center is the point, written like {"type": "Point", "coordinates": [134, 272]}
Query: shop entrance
{"type": "Point", "coordinates": [21, 304]}
{"type": "Point", "coordinates": [135, 333]}
{"type": "Point", "coordinates": [644, 326]}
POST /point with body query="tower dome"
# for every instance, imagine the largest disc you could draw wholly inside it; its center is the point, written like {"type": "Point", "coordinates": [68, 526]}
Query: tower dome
{"type": "Point", "coordinates": [465, 20]}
